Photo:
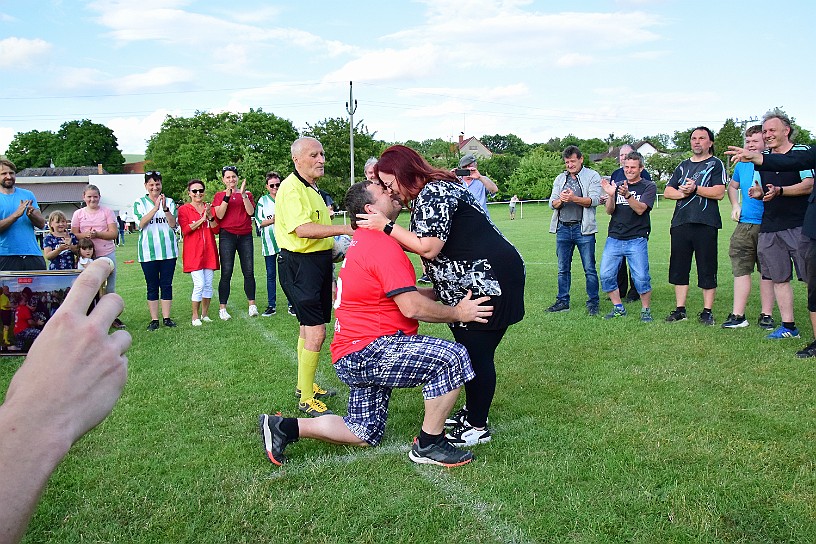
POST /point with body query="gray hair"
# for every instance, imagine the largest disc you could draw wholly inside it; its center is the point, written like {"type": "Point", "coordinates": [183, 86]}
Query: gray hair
{"type": "Point", "coordinates": [298, 144]}
{"type": "Point", "coordinates": [634, 156]}
{"type": "Point", "coordinates": [370, 162]}
{"type": "Point", "coordinates": [776, 113]}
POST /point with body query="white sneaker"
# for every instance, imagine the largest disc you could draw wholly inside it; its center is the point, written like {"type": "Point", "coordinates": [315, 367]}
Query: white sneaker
{"type": "Point", "coordinates": [253, 310]}
{"type": "Point", "coordinates": [222, 313]}
{"type": "Point", "coordinates": [466, 435]}
{"type": "Point", "coordinates": [206, 319]}
{"type": "Point", "coordinates": [196, 322]}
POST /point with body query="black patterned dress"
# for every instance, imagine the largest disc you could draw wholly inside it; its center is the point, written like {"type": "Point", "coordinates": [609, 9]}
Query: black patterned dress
{"type": "Point", "coordinates": [476, 256]}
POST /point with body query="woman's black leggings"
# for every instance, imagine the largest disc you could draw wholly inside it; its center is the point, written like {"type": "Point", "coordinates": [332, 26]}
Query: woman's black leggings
{"type": "Point", "coordinates": [481, 346]}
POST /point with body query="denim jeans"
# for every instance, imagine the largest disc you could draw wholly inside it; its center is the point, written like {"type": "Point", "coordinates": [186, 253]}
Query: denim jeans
{"type": "Point", "coordinates": [271, 277]}
{"type": "Point", "coordinates": [636, 252]}
{"type": "Point", "coordinates": [567, 238]}
{"type": "Point", "coordinates": [228, 244]}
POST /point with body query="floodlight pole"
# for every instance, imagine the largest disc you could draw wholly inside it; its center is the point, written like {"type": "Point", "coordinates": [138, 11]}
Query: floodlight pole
{"type": "Point", "coordinates": [351, 107]}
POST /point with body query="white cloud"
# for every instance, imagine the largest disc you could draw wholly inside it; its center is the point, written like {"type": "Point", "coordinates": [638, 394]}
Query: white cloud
{"type": "Point", "coordinates": [388, 65]}
{"type": "Point", "coordinates": [132, 133]}
{"type": "Point", "coordinates": [22, 52]}
{"type": "Point", "coordinates": [6, 136]}
{"type": "Point", "coordinates": [159, 77]}
{"type": "Point", "coordinates": [570, 60]}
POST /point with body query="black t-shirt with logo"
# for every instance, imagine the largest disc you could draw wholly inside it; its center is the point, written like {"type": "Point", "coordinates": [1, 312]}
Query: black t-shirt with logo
{"type": "Point", "coordinates": [695, 208]}
{"type": "Point", "coordinates": [783, 212]}
{"type": "Point", "coordinates": [625, 224]}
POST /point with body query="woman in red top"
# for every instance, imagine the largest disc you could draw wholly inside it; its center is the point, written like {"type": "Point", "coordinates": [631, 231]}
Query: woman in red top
{"type": "Point", "coordinates": [235, 210]}
{"type": "Point", "coordinates": [199, 252]}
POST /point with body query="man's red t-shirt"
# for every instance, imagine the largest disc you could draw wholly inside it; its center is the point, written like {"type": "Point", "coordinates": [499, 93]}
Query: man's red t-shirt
{"type": "Point", "coordinates": [375, 270]}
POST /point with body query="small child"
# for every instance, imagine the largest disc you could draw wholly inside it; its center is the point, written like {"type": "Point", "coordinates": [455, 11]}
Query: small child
{"type": "Point", "coordinates": [59, 245]}
{"type": "Point", "coordinates": [87, 253]}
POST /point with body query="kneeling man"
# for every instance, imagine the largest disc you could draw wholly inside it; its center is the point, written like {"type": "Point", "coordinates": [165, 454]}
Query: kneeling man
{"type": "Point", "coordinates": [376, 346]}
{"type": "Point", "coordinates": [629, 204]}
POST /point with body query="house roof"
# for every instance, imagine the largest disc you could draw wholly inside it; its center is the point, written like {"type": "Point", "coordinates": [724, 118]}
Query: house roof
{"type": "Point", "coordinates": [56, 192]}
{"type": "Point", "coordinates": [613, 152]}
{"type": "Point", "coordinates": [61, 171]}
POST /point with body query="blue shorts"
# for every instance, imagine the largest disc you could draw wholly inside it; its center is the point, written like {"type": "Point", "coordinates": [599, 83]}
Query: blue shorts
{"type": "Point", "coordinates": [439, 365]}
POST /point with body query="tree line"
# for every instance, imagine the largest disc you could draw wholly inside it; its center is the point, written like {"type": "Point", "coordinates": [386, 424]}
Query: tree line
{"type": "Point", "coordinates": [199, 146]}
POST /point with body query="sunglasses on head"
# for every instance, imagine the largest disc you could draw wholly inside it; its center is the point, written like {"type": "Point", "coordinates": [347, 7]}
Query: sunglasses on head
{"type": "Point", "coordinates": [197, 191]}
{"type": "Point", "coordinates": [229, 169]}
{"type": "Point", "coordinates": [152, 174]}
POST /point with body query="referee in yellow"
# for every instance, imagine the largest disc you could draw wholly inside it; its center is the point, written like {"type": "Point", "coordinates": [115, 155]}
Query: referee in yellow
{"type": "Point", "coordinates": [305, 234]}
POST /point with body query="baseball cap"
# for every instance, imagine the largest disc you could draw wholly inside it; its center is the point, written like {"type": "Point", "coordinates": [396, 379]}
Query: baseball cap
{"type": "Point", "coordinates": [467, 160]}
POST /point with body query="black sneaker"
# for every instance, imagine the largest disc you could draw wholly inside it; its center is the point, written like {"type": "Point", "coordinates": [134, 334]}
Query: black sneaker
{"type": "Point", "coordinates": [675, 316]}
{"type": "Point", "coordinates": [270, 310]}
{"type": "Point", "coordinates": [153, 326]}
{"type": "Point", "coordinates": [592, 309]}
{"type": "Point", "coordinates": [424, 279]}
{"type": "Point", "coordinates": [706, 318]}
{"type": "Point", "coordinates": [442, 453]}
{"type": "Point", "coordinates": [559, 306]}
{"type": "Point", "coordinates": [766, 322]}
{"type": "Point", "coordinates": [467, 435]}
{"type": "Point", "coordinates": [809, 351]}
{"type": "Point", "coordinates": [457, 418]}
{"type": "Point", "coordinates": [167, 322]}
{"type": "Point", "coordinates": [291, 311]}
{"type": "Point", "coordinates": [735, 321]}
{"type": "Point", "coordinates": [273, 438]}
{"type": "Point", "coordinates": [631, 297]}
{"type": "Point", "coordinates": [117, 324]}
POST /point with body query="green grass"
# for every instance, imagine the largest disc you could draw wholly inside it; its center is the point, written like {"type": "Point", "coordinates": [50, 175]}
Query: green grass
{"type": "Point", "coordinates": [603, 431]}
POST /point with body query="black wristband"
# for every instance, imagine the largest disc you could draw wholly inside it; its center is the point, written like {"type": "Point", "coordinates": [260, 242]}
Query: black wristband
{"type": "Point", "coordinates": [388, 228]}
{"type": "Point", "coordinates": [781, 191]}
{"type": "Point", "coordinates": [226, 198]}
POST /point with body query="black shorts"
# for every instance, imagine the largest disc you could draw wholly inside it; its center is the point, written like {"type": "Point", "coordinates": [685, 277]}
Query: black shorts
{"type": "Point", "coordinates": [699, 241]}
{"type": "Point", "coordinates": [306, 280]}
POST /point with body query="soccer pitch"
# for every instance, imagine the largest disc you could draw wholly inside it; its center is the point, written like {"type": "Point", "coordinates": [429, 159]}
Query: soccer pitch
{"type": "Point", "coordinates": [603, 431]}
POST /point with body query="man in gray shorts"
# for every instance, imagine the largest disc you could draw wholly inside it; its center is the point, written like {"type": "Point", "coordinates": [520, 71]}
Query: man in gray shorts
{"type": "Point", "coordinates": [785, 196]}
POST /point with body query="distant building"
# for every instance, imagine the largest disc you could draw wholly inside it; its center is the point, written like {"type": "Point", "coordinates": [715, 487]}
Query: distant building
{"type": "Point", "coordinates": [644, 147]}
{"type": "Point", "coordinates": [474, 146]}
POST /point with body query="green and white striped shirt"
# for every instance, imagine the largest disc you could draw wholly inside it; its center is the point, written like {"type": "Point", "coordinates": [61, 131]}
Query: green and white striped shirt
{"type": "Point", "coordinates": [157, 241]}
{"type": "Point", "coordinates": [265, 209]}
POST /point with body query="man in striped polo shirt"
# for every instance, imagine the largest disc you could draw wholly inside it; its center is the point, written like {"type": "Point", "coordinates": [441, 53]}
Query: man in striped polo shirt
{"type": "Point", "coordinates": [265, 219]}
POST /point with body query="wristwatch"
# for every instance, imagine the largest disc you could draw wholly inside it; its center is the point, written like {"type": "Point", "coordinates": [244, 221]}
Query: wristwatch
{"type": "Point", "coordinates": [388, 228]}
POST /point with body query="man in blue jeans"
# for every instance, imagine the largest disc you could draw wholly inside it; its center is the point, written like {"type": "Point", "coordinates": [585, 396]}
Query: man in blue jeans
{"type": "Point", "coordinates": [575, 195]}
{"type": "Point", "coordinates": [630, 202]}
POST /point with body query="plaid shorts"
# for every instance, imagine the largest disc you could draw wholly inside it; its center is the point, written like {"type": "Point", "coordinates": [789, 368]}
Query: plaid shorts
{"type": "Point", "coordinates": [397, 361]}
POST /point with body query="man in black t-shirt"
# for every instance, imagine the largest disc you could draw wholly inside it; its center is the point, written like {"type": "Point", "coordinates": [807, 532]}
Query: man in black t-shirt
{"type": "Point", "coordinates": [785, 195]}
{"type": "Point", "coordinates": [696, 184]}
{"type": "Point", "coordinates": [629, 203]}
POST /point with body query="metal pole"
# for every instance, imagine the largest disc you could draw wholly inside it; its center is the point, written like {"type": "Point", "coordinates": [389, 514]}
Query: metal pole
{"type": "Point", "coordinates": [351, 107]}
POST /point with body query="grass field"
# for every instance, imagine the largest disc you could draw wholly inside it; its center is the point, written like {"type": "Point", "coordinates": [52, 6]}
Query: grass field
{"type": "Point", "coordinates": [603, 431]}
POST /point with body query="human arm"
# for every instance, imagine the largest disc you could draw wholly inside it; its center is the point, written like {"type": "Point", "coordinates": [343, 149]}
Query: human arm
{"type": "Point", "coordinates": [147, 217]}
{"type": "Point", "coordinates": [425, 246]}
{"type": "Point", "coordinates": [246, 198]}
{"type": "Point", "coordinates": [733, 197]}
{"type": "Point", "coordinates": [61, 391]}
{"type": "Point", "coordinates": [609, 189]}
{"type": "Point", "coordinates": [221, 203]}
{"type": "Point", "coordinates": [489, 184]}
{"type": "Point", "coordinates": [316, 230]}
{"type": "Point", "coordinates": [23, 208]}
{"type": "Point", "coordinates": [415, 305]}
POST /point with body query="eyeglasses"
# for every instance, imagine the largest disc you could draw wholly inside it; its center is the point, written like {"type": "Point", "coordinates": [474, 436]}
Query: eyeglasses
{"type": "Point", "coordinates": [274, 185]}
{"type": "Point", "coordinates": [197, 191]}
{"type": "Point", "coordinates": [152, 174]}
{"type": "Point", "coordinates": [229, 169]}
{"type": "Point", "coordinates": [385, 186]}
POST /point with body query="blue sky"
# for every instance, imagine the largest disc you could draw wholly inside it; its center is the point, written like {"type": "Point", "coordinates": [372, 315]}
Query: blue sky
{"type": "Point", "coordinates": [421, 69]}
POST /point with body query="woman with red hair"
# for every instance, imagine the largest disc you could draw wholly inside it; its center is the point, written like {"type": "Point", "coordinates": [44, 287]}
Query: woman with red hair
{"type": "Point", "coordinates": [462, 251]}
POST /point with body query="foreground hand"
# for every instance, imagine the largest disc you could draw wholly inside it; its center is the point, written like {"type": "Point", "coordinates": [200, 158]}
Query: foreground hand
{"type": "Point", "coordinates": [739, 154]}
{"type": "Point", "coordinates": [75, 371]}
{"type": "Point", "coordinates": [736, 211]}
{"type": "Point", "coordinates": [470, 309]}
{"type": "Point", "coordinates": [566, 195]}
{"type": "Point", "coordinates": [372, 221]}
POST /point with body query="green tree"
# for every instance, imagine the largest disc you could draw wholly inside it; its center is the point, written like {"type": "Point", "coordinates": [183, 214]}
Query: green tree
{"type": "Point", "coordinates": [661, 141]}
{"type": "Point", "coordinates": [333, 133]}
{"type": "Point", "coordinates": [500, 168]}
{"type": "Point", "coordinates": [661, 166]}
{"type": "Point", "coordinates": [533, 179]}
{"type": "Point", "coordinates": [33, 149]}
{"type": "Point", "coordinates": [729, 134]}
{"type": "Point", "coordinates": [85, 143]}
{"type": "Point", "coordinates": [604, 167]}
{"type": "Point", "coordinates": [506, 144]}
{"type": "Point", "coordinates": [682, 140]}
{"type": "Point", "coordinates": [198, 147]}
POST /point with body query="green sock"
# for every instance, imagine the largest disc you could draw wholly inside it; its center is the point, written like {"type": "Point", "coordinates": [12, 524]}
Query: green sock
{"type": "Point", "coordinates": [307, 367]}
